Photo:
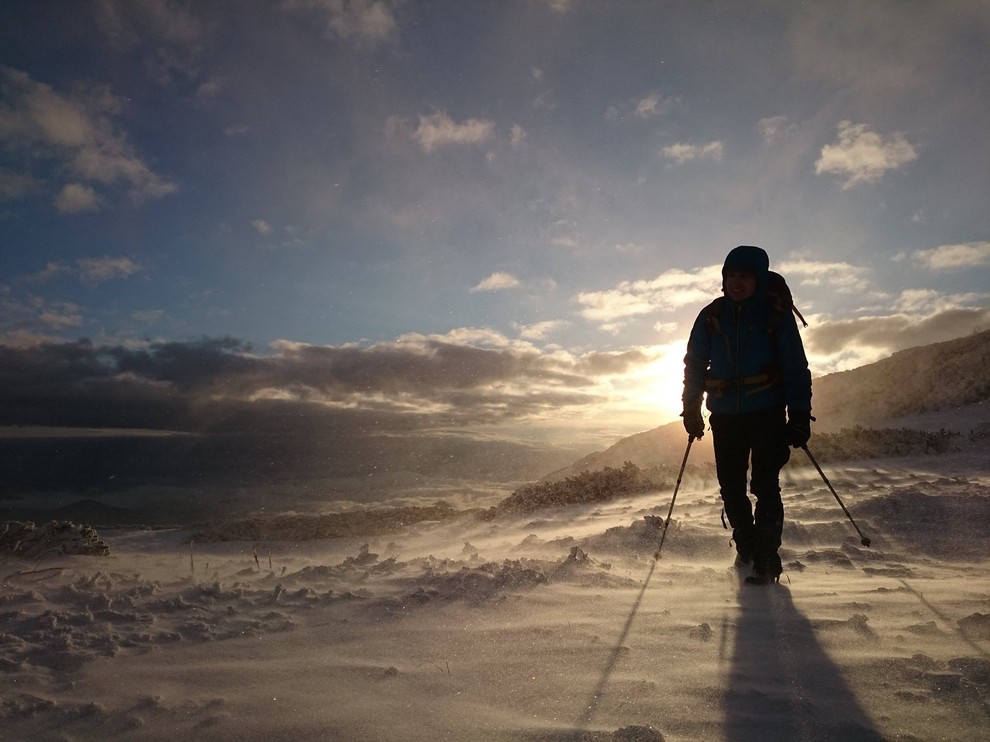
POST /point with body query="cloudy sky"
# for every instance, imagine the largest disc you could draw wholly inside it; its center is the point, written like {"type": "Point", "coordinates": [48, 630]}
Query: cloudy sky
{"type": "Point", "coordinates": [502, 215]}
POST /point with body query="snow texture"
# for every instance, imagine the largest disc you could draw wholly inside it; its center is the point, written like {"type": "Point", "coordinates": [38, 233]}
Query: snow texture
{"type": "Point", "coordinates": [552, 624]}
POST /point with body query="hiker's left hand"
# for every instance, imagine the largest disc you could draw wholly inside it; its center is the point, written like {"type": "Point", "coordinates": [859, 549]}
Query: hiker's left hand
{"type": "Point", "coordinates": [798, 428]}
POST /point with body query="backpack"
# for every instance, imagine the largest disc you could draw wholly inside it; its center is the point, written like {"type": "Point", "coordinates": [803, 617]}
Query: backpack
{"type": "Point", "coordinates": [781, 301]}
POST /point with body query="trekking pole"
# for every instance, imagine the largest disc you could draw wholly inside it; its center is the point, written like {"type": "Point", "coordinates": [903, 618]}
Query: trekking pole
{"type": "Point", "coordinates": [862, 539]}
{"type": "Point", "coordinates": [677, 486]}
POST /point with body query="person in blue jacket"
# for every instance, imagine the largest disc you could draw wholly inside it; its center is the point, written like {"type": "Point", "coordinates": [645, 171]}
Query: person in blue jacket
{"type": "Point", "coordinates": [745, 358]}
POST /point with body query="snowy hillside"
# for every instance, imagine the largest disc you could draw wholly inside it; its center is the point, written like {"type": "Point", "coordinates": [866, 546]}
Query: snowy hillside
{"type": "Point", "coordinates": [931, 378]}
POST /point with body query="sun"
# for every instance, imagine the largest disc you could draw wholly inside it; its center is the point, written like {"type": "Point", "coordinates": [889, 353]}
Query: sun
{"type": "Point", "coordinates": [655, 388]}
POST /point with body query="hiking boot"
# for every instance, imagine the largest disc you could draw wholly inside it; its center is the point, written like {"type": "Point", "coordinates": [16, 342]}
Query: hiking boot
{"type": "Point", "coordinates": [767, 569]}
{"type": "Point", "coordinates": [745, 546]}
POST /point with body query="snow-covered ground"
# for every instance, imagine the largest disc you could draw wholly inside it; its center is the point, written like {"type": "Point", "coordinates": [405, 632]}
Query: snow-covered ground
{"type": "Point", "coordinates": [555, 626]}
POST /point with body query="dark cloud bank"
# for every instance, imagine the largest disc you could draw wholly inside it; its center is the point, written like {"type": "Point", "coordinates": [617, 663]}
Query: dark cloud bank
{"type": "Point", "coordinates": [303, 417]}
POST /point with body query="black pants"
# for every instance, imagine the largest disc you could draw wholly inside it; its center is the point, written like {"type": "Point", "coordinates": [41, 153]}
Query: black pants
{"type": "Point", "coordinates": [760, 437]}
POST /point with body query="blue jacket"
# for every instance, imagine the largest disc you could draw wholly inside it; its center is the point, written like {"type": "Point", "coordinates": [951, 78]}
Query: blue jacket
{"type": "Point", "coordinates": [741, 361]}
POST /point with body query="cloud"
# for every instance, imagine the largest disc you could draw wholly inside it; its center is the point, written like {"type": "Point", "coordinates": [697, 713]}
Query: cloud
{"type": "Point", "coordinates": [52, 269]}
{"type": "Point", "coordinates": [842, 278]}
{"type": "Point", "coordinates": [669, 291]}
{"type": "Point", "coordinates": [61, 317]}
{"type": "Point", "coordinates": [863, 155]}
{"type": "Point", "coordinates": [106, 268]}
{"type": "Point", "coordinates": [147, 315]}
{"type": "Point", "coordinates": [926, 302]}
{"type": "Point", "coordinates": [367, 22]}
{"type": "Point", "coordinates": [75, 198]}
{"type": "Point", "coordinates": [415, 380]}
{"type": "Point", "coordinates": [681, 153]}
{"type": "Point", "coordinates": [89, 270]}
{"type": "Point", "coordinates": [866, 339]}
{"type": "Point", "coordinates": [497, 282]}
{"type": "Point", "coordinates": [262, 227]}
{"type": "Point", "coordinates": [570, 241]}
{"type": "Point", "coordinates": [775, 128]}
{"type": "Point", "coordinates": [39, 125]}
{"type": "Point", "coordinates": [954, 257]}
{"type": "Point", "coordinates": [440, 130]}
{"type": "Point", "coordinates": [15, 186]}
{"type": "Point", "coordinates": [649, 106]}
{"type": "Point", "coordinates": [162, 20]}
{"type": "Point", "coordinates": [209, 89]}
{"type": "Point", "coordinates": [518, 136]}
{"type": "Point", "coordinates": [167, 35]}
{"type": "Point", "coordinates": [539, 330]}
{"type": "Point", "coordinates": [613, 363]}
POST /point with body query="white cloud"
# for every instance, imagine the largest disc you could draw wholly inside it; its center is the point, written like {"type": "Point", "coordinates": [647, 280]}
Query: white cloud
{"type": "Point", "coordinates": [497, 282]}
{"type": "Point", "coordinates": [370, 22]}
{"type": "Point", "coordinates": [15, 186]}
{"type": "Point", "coordinates": [955, 257]}
{"type": "Point", "coordinates": [681, 153]}
{"type": "Point", "coordinates": [262, 227]}
{"type": "Point", "coordinates": [518, 136]}
{"type": "Point", "coordinates": [439, 129]}
{"type": "Point", "coordinates": [147, 315]}
{"type": "Point", "coordinates": [210, 89]}
{"type": "Point", "coordinates": [98, 270]}
{"type": "Point", "coordinates": [75, 198]}
{"type": "Point", "coordinates": [774, 128]}
{"type": "Point", "coordinates": [39, 125]}
{"type": "Point", "coordinates": [89, 270]}
{"type": "Point", "coordinates": [849, 343]}
{"type": "Point", "coordinates": [928, 301]}
{"type": "Point", "coordinates": [62, 317]}
{"type": "Point", "coordinates": [649, 106]}
{"type": "Point", "coordinates": [158, 19]}
{"type": "Point", "coordinates": [862, 155]}
{"type": "Point", "coordinates": [565, 240]}
{"type": "Point", "coordinates": [669, 291]}
{"type": "Point", "coordinates": [539, 330]}
{"type": "Point", "coordinates": [629, 248]}
{"type": "Point", "coordinates": [842, 278]}
{"type": "Point", "coordinates": [52, 269]}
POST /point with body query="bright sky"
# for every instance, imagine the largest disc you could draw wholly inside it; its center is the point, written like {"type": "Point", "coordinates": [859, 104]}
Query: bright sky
{"type": "Point", "coordinates": [507, 213]}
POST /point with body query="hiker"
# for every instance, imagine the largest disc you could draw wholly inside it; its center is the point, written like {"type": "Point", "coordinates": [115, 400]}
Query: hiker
{"type": "Point", "coordinates": [746, 357]}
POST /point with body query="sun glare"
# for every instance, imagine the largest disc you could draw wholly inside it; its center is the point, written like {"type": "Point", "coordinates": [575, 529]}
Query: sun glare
{"type": "Point", "coordinates": [656, 388]}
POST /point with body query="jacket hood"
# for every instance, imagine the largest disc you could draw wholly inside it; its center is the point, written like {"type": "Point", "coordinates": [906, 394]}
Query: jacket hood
{"type": "Point", "coordinates": [751, 258]}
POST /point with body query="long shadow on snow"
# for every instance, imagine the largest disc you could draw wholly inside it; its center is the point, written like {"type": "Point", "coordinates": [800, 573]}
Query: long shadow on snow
{"type": "Point", "coordinates": [782, 684]}
{"type": "Point", "coordinates": [591, 707]}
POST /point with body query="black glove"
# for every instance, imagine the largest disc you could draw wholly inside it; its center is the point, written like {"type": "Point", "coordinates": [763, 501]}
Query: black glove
{"type": "Point", "coordinates": [694, 423]}
{"type": "Point", "coordinates": [798, 428]}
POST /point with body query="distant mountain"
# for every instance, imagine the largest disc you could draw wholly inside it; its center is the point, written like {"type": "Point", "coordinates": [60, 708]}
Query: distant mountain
{"type": "Point", "coordinates": [896, 391]}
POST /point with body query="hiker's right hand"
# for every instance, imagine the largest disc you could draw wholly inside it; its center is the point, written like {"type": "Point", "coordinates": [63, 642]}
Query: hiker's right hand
{"type": "Point", "coordinates": [694, 423]}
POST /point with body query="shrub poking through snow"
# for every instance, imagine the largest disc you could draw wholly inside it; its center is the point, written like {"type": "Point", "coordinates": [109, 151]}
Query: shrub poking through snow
{"type": "Point", "coordinates": [55, 538]}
